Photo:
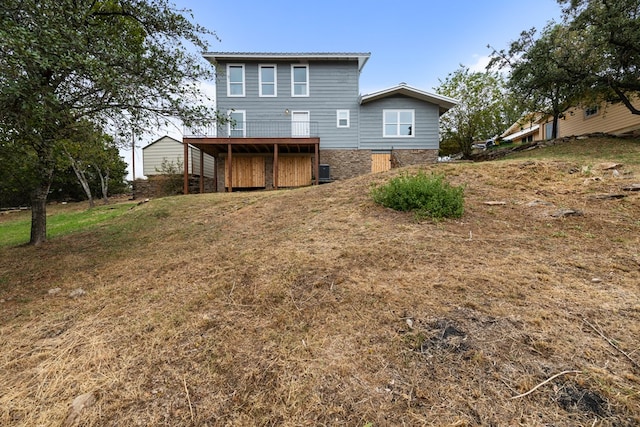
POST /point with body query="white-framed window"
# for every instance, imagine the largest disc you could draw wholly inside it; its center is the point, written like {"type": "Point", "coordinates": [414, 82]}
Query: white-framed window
{"type": "Point", "coordinates": [237, 127]}
{"type": "Point", "coordinates": [299, 80]}
{"type": "Point", "coordinates": [342, 118]}
{"type": "Point", "coordinates": [398, 123]}
{"type": "Point", "coordinates": [235, 79]}
{"type": "Point", "coordinates": [268, 80]}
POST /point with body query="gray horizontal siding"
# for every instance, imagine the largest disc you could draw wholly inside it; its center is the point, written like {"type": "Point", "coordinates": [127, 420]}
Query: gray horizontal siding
{"type": "Point", "coordinates": [426, 134]}
{"type": "Point", "coordinates": [332, 86]}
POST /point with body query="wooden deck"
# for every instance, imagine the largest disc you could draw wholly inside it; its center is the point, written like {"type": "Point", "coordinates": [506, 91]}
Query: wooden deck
{"type": "Point", "coordinates": [272, 147]}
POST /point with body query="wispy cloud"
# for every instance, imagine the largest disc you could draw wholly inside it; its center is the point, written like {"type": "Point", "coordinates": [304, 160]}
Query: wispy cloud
{"type": "Point", "coordinates": [480, 64]}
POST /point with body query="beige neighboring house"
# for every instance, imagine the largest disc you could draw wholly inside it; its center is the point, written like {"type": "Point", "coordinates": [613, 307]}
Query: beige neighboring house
{"type": "Point", "coordinates": [527, 129]}
{"type": "Point", "coordinates": [172, 150]}
{"type": "Point", "coordinates": [613, 119]}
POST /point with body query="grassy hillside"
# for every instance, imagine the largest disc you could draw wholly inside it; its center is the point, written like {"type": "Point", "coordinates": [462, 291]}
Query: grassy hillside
{"type": "Point", "coordinates": [317, 307]}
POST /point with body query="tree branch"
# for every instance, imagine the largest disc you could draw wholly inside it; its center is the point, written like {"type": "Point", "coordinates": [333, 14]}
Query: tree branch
{"type": "Point", "coordinates": [625, 100]}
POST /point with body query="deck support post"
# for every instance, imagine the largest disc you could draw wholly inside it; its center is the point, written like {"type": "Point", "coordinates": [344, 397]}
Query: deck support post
{"type": "Point", "coordinates": [201, 171]}
{"type": "Point", "coordinates": [316, 162]}
{"type": "Point", "coordinates": [185, 189]}
{"type": "Point", "coordinates": [230, 169]}
{"type": "Point", "coordinates": [215, 174]}
{"type": "Point", "coordinates": [275, 166]}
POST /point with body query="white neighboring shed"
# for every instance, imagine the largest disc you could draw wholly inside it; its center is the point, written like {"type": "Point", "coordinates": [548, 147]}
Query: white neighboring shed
{"type": "Point", "coordinates": [173, 151]}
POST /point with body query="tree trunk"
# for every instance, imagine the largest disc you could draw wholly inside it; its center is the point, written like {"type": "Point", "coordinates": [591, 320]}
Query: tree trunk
{"type": "Point", "coordinates": [466, 146]}
{"type": "Point", "coordinates": [104, 184]}
{"type": "Point", "coordinates": [83, 180]}
{"type": "Point", "coordinates": [39, 196]}
{"type": "Point", "coordinates": [39, 213]}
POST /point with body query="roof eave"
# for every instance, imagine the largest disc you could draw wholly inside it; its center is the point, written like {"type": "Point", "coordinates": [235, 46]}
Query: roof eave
{"type": "Point", "coordinates": [361, 57]}
{"type": "Point", "coordinates": [444, 102]}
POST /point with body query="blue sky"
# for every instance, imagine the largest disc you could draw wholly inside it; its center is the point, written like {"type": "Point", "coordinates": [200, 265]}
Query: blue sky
{"type": "Point", "coordinates": [417, 42]}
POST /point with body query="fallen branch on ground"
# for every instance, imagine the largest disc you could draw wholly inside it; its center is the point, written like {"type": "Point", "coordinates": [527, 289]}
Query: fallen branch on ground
{"type": "Point", "coordinates": [544, 382]}
{"type": "Point", "coordinates": [184, 380]}
{"type": "Point", "coordinates": [599, 332]}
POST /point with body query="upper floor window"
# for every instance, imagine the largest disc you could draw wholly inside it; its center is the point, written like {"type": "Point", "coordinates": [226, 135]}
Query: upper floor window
{"type": "Point", "coordinates": [591, 111]}
{"type": "Point", "coordinates": [268, 80]}
{"type": "Point", "coordinates": [235, 80]}
{"type": "Point", "coordinates": [342, 117]}
{"type": "Point", "coordinates": [236, 124]}
{"type": "Point", "coordinates": [299, 80]}
{"type": "Point", "coordinates": [399, 123]}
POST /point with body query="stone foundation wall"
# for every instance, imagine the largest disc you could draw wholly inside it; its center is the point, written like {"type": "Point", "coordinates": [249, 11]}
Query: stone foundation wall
{"type": "Point", "coordinates": [194, 185]}
{"type": "Point", "coordinates": [345, 164]}
{"type": "Point", "coordinates": [400, 158]}
{"type": "Point", "coordinates": [220, 173]}
{"type": "Point", "coordinates": [164, 185]}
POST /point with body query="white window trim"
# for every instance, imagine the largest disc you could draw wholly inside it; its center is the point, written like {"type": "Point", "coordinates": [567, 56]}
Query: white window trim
{"type": "Point", "coordinates": [275, 80]}
{"type": "Point", "coordinates": [293, 66]}
{"type": "Point", "coordinates": [229, 81]}
{"type": "Point", "coordinates": [348, 112]}
{"type": "Point", "coordinates": [244, 123]}
{"type": "Point", "coordinates": [398, 111]}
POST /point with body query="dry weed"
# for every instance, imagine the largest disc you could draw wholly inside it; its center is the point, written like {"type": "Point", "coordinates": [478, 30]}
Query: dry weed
{"type": "Point", "coordinates": [317, 307]}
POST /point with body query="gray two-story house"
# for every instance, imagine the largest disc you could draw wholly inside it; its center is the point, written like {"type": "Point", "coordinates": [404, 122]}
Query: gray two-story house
{"type": "Point", "coordinates": [299, 118]}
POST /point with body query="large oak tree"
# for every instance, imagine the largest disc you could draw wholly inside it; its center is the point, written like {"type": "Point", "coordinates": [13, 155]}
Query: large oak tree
{"type": "Point", "coordinates": [546, 72]}
{"type": "Point", "coordinates": [117, 63]}
{"type": "Point", "coordinates": [611, 30]}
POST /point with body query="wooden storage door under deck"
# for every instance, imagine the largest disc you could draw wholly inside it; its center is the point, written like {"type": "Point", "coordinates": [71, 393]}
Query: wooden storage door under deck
{"type": "Point", "coordinates": [380, 162]}
{"type": "Point", "coordinates": [248, 172]}
{"type": "Point", "coordinates": [294, 171]}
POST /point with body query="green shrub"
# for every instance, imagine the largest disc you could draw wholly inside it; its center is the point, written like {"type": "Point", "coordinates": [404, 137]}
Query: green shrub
{"type": "Point", "coordinates": [449, 148]}
{"type": "Point", "coordinates": [428, 196]}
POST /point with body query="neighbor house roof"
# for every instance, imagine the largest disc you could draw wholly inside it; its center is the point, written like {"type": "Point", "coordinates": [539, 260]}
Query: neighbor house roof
{"type": "Point", "coordinates": [524, 132]}
{"type": "Point", "coordinates": [361, 57]}
{"type": "Point", "coordinates": [444, 102]}
{"type": "Point", "coordinates": [518, 128]}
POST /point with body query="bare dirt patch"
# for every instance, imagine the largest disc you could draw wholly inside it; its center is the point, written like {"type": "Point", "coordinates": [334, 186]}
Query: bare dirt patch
{"type": "Point", "coordinates": [317, 307]}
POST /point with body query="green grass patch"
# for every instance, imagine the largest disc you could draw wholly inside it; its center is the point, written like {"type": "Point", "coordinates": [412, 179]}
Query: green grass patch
{"type": "Point", "coordinates": [428, 196]}
{"type": "Point", "coordinates": [17, 232]}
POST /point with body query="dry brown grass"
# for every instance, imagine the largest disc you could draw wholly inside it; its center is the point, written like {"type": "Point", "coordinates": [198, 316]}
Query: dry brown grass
{"type": "Point", "coordinates": [317, 307]}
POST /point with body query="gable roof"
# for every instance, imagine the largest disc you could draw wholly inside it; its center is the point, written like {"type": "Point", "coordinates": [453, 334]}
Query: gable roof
{"type": "Point", "coordinates": [361, 57]}
{"type": "Point", "coordinates": [443, 102]}
{"type": "Point", "coordinates": [521, 133]}
{"type": "Point", "coordinates": [162, 139]}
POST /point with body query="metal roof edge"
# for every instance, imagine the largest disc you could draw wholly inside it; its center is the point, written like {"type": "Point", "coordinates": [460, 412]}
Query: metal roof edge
{"type": "Point", "coordinates": [162, 137]}
{"type": "Point", "coordinates": [442, 101]}
{"type": "Point", "coordinates": [361, 57]}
